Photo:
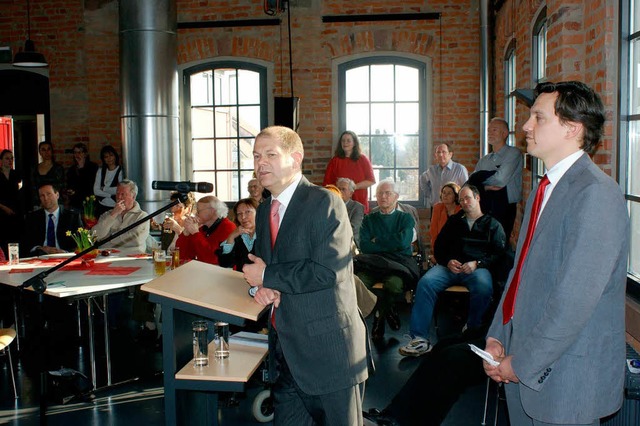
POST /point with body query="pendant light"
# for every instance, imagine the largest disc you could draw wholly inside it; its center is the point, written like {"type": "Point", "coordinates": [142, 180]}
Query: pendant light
{"type": "Point", "coordinates": [29, 58]}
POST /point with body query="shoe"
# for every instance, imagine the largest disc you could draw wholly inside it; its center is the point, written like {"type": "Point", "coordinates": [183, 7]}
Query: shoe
{"type": "Point", "coordinates": [416, 347]}
{"type": "Point", "coordinates": [393, 319]}
{"type": "Point", "coordinates": [378, 327]}
{"type": "Point", "coordinates": [380, 417]}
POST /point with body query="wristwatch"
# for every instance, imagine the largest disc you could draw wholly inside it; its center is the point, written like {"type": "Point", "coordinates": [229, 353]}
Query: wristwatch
{"type": "Point", "coordinates": [479, 263]}
{"type": "Point", "coordinates": [253, 291]}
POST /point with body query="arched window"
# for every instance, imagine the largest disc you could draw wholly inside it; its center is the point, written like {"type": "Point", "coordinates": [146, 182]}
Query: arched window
{"type": "Point", "coordinates": [383, 100]}
{"type": "Point", "coordinates": [538, 74]}
{"type": "Point", "coordinates": [225, 108]}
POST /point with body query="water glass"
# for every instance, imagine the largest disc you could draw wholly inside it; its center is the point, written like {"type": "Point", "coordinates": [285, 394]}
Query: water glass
{"type": "Point", "coordinates": [222, 339]}
{"type": "Point", "coordinates": [200, 343]}
{"type": "Point", "coordinates": [14, 253]}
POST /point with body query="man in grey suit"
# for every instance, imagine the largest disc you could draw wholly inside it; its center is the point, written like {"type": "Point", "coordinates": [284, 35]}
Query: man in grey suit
{"type": "Point", "coordinates": [303, 267]}
{"type": "Point", "coordinates": [355, 210]}
{"type": "Point", "coordinates": [561, 343]}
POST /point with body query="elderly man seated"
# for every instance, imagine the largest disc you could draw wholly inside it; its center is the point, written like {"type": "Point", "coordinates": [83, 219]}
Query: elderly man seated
{"type": "Point", "coordinates": [469, 244]}
{"type": "Point", "coordinates": [203, 234]}
{"type": "Point", "coordinates": [385, 243]}
{"type": "Point", "coordinates": [354, 208]}
{"type": "Point", "coordinates": [46, 228]}
{"type": "Point", "coordinates": [124, 213]}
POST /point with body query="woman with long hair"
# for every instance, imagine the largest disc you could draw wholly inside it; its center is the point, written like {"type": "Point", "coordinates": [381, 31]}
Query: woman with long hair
{"type": "Point", "coordinates": [349, 162]}
{"type": "Point", "coordinates": [48, 171]}
{"type": "Point", "coordinates": [107, 179]}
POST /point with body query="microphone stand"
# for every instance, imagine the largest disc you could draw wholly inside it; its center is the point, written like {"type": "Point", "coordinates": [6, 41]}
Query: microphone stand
{"type": "Point", "coordinates": [39, 285]}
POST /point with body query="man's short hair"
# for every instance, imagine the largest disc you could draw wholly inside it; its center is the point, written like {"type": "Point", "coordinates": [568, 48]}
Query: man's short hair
{"type": "Point", "coordinates": [501, 121]}
{"type": "Point", "coordinates": [290, 141]}
{"type": "Point", "coordinates": [390, 182]}
{"type": "Point", "coordinates": [472, 188]}
{"type": "Point", "coordinates": [578, 103]}
{"type": "Point", "coordinates": [447, 144]}
{"type": "Point", "coordinates": [221, 208]}
{"type": "Point", "coordinates": [52, 185]}
{"type": "Point", "coordinates": [131, 185]}
{"type": "Point", "coordinates": [350, 182]}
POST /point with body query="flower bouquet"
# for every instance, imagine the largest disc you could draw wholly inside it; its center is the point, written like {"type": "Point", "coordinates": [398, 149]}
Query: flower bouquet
{"type": "Point", "coordinates": [84, 239]}
{"type": "Point", "coordinates": [88, 211]}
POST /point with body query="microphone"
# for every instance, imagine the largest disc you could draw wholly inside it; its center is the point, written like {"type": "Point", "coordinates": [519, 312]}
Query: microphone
{"type": "Point", "coordinates": [183, 187]}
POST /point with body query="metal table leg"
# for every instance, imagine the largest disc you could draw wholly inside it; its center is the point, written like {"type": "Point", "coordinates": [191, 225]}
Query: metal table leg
{"type": "Point", "coordinates": [92, 353]}
{"type": "Point", "coordinates": [107, 340]}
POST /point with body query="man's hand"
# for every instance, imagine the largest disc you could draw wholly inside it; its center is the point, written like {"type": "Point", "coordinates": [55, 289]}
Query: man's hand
{"type": "Point", "coordinates": [266, 296]}
{"type": "Point", "coordinates": [190, 226]}
{"type": "Point", "coordinates": [469, 267]}
{"type": "Point", "coordinates": [253, 272]}
{"type": "Point", "coordinates": [118, 209]}
{"type": "Point", "coordinates": [454, 266]}
{"type": "Point", "coordinates": [502, 373]}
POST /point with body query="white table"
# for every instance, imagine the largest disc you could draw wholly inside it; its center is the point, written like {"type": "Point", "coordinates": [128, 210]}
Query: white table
{"type": "Point", "coordinates": [79, 285]}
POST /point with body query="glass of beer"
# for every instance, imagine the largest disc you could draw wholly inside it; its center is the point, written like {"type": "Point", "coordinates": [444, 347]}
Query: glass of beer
{"type": "Point", "coordinates": [159, 261]}
{"type": "Point", "coordinates": [167, 215]}
{"type": "Point", "coordinates": [175, 257]}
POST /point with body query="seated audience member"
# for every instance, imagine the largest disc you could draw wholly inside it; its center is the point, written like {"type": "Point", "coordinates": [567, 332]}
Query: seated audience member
{"type": "Point", "coordinates": [442, 211]}
{"type": "Point", "coordinates": [234, 252]}
{"type": "Point", "coordinates": [354, 208]}
{"type": "Point", "coordinates": [107, 178]}
{"type": "Point", "coordinates": [174, 225]}
{"type": "Point", "coordinates": [80, 176]}
{"type": "Point", "coordinates": [386, 255]}
{"type": "Point", "coordinates": [469, 244]}
{"type": "Point", "coordinates": [255, 190]}
{"type": "Point", "coordinates": [46, 229]}
{"type": "Point", "coordinates": [125, 212]}
{"type": "Point", "coordinates": [203, 233]}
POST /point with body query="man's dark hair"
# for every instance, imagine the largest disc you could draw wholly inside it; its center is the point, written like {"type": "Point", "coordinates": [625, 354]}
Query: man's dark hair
{"type": "Point", "coordinates": [52, 185]}
{"type": "Point", "coordinates": [579, 103]}
{"type": "Point", "coordinates": [472, 188]}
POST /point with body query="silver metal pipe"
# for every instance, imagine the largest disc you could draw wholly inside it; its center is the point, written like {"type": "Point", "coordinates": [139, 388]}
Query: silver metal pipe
{"type": "Point", "coordinates": [149, 94]}
{"type": "Point", "coordinates": [484, 75]}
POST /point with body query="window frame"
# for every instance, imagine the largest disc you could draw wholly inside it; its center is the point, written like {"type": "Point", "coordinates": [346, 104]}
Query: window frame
{"type": "Point", "coordinates": [510, 85]}
{"type": "Point", "coordinates": [423, 65]}
{"type": "Point", "coordinates": [265, 113]}
{"type": "Point", "coordinates": [539, 40]}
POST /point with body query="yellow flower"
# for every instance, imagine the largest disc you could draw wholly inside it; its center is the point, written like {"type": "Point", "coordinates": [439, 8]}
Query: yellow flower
{"type": "Point", "coordinates": [68, 233]}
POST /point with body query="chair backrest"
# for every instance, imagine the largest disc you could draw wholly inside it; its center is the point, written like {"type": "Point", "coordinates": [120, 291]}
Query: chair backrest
{"type": "Point", "coordinates": [7, 335]}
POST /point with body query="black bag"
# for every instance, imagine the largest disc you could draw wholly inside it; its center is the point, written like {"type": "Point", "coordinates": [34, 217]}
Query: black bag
{"type": "Point", "coordinates": [66, 385]}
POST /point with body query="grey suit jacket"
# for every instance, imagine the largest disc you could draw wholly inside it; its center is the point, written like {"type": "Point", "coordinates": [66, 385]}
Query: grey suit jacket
{"type": "Point", "coordinates": [356, 214]}
{"type": "Point", "coordinates": [320, 331]}
{"type": "Point", "coordinates": [567, 335]}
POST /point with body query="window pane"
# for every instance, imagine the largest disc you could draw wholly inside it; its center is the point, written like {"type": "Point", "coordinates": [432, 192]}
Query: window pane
{"type": "Point", "coordinates": [204, 177]}
{"type": "Point", "coordinates": [382, 119]}
{"type": "Point", "coordinates": [634, 251]}
{"type": "Point", "coordinates": [201, 89]}
{"type": "Point", "coordinates": [357, 84]}
{"type": "Point", "coordinates": [406, 83]}
{"type": "Point", "coordinates": [226, 186]}
{"type": "Point", "coordinates": [226, 154]}
{"type": "Point", "coordinates": [358, 118]}
{"type": "Point", "coordinates": [225, 86]}
{"type": "Point", "coordinates": [365, 146]}
{"type": "Point", "coordinates": [542, 52]}
{"type": "Point", "coordinates": [248, 87]}
{"type": "Point", "coordinates": [249, 120]}
{"type": "Point", "coordinates": [407, 184]}
{"type": "Point", "coordinates": [245, 177]}
{"type": "Point", "coordinates": [407, 153]}
{"type": "Point", "coordinates": [201, 122]}
{"type": "Point", "coordinates": [634, 83]}
{"type": "Point", "coordinates": [382, 151]}
{"type": "Point", "coordinates": [633, 168]}
{"type": "Point", "coordinates": [408, 121]}
{"type": "Point", "coordinates": [226, 122]}
{"type": "Point", "coordinates": [203, 158]}
{"type": "Point", "coordinates": [382, 83]}
{"type": "Point", "coordinates": [246, 154]}
{"type": "Point", "coordinates": [635, 13]}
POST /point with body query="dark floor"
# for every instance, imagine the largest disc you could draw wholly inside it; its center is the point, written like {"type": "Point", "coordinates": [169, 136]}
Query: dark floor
{"type": "Point", "coordinates": [140, 402]}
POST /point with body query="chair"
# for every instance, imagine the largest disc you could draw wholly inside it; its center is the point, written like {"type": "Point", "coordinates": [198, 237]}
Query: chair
{"type": "Point", "coordinates": [8, 335]}
{"type": "Point", "coordinates": [454, 290]}
{"type": "Point", "coordinates": [486, 402]}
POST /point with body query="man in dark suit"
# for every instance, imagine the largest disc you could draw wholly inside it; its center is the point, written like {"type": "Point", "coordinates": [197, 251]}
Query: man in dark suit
{"type": "Point", "coordinates": [303, 267]}
{"type": "Point", "coordinates": [559, 332]}
{"type": "Point", "coordinates": [38, 239]}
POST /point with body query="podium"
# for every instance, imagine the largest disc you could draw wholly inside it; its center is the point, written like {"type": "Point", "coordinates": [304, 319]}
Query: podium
{"type": "Point", "coordinates": [191, 292]}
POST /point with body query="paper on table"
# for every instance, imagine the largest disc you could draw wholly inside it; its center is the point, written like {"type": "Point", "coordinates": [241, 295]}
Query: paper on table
{"type": "Point", "coordinates": [121, 270]}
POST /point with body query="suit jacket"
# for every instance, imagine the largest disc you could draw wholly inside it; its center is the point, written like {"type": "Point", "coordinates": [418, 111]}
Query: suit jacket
{"type": "Point", "coordinates": [356, 214]}
{"type": "Point", "coordinates": [567, 335]}
{"type": "Point", "coordinates": [35, 230]}
{"type": "Point", "coordinates": [319, 328]}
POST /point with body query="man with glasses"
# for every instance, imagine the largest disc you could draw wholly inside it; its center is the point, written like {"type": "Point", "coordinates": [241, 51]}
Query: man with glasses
{"type": "Point", "coordinates": [444, 170]}
{"type": "Point", "coordinates": [204, 232]}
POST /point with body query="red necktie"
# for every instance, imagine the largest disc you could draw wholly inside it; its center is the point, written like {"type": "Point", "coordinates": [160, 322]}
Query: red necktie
{"type": "Point", "coordinates": [274, 225]}
{"type": "Point", "coordinates": [274, 221]}
{"type": "Point", "coordinates": [510, 299]}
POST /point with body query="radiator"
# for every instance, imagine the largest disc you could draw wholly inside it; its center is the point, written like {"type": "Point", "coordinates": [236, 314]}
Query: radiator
{"type": "Point", "coordinates": [629, 414]}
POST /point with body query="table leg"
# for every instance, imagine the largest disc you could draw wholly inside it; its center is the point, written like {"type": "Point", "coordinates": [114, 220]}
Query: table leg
{"type": "Point", "coordinates": [19, 329]}
{"type": "Point", "coordinates": [92, 349]}
{"type": "Point", "coordinates": [107, 340]}
{"type": "Point", "coordinates": [78, 318]}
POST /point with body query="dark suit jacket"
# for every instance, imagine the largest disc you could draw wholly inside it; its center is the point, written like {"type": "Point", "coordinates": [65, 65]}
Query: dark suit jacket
{"type": "Point", "coordinates": [567, 335]}
{"type": "Point", "coordinates": [320, 331]}
{"type": "Point", "coordinates": [35, 230]}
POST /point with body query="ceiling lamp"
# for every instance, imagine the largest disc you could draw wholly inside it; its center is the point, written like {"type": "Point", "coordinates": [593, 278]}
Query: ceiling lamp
{"type": "Point", "coordinates": [29, 58]}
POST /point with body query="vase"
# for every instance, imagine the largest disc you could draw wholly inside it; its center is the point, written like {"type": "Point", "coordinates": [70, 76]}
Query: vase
{"type": "Point", "coordinates": [89, 222]}
{"type": "Point", "coordinates": [91, 255]}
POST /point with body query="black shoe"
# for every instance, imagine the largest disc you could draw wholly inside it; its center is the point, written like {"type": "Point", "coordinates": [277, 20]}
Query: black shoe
{"type": "Point", "coordinates": [378, 327]}
{"type": "Point", "coordinates": [393, 319]}
{"type": "Point", "coordinates": [380, 417]}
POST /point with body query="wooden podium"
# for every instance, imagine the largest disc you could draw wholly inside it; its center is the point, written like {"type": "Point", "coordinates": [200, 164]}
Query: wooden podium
{"type": "Point", "coordinates": [191, 292]}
